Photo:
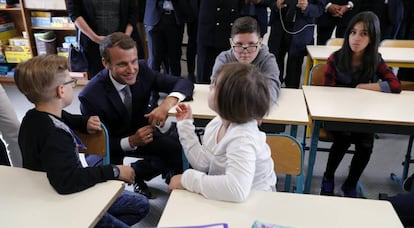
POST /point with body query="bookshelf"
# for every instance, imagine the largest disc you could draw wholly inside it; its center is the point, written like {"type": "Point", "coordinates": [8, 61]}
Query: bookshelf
{"type": "Point", "coordinates": [21, 13]}
{"type": "Point", "coordinates": [56, 8]}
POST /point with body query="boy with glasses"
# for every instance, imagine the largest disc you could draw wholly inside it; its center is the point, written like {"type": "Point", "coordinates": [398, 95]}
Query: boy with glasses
{"type": "Point", "coordinates": [48, 144]}
{"type": "Point", "coordinates": [246, 47]}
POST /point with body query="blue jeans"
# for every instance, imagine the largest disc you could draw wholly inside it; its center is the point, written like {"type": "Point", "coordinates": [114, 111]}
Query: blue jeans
{"type": "Point", "coordinates": [126, 211]}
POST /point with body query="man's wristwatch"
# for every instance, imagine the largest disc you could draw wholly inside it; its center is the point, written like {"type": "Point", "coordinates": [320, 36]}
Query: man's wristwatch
{"type": "Point", "coordinates": [350, 5]}
{"type": "Point", "coordinates": [116, 171]}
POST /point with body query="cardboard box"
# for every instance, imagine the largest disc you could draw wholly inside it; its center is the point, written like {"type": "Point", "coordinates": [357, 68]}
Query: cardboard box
{"type": "Point", "coordinates": [41, 14]}
{"type": "Point", "coordinates": [6, 35]}
{"type": "Point", "coordinates": [63, 52]}
{"type": "Point", "coordinates": [41, 21]}
{"type": "Point", "coordinates": [6, 26]}
{"type": "Point", "coordinates": [19, 41]}
{"type": "Point", "coordinates": [17, 54]}
{"type": "Point", "coordinates": [45, 4]}
{"type": "Point", "coordinates": [62, 22]}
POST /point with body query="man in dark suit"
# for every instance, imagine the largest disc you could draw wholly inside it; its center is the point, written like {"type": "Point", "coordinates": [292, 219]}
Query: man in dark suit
{"type": "Point", "coordinates": [120, 94]}
{"type": "Point", "coordinates": [336, 17]}
{"type": "Point", "coordinates": [390, 13]}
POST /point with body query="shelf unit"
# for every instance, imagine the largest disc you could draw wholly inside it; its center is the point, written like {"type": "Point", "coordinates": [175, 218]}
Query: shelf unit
{"type": "Point", "coordinates": [43, 5]}
{"type": "Point", "coordinates": [21, 16]}
{"type": "Point", "coordinates": [17, 15]}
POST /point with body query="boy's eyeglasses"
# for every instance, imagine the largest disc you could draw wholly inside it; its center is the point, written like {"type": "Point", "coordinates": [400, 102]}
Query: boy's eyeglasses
{"type": "Point", "coordinates": [74, 81]}
{"type": "Point", "coordinates": [249, 48]}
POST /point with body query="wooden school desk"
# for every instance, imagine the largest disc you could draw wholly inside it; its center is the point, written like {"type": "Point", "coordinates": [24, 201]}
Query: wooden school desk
{"type": "Point", "coordinates": [393, 56]}
{"type": "Point", "coordinates": [290, 108]}
{"type": "Point", "coordinates": [358, 110]}
{"type": "Point", "coordinates": [28, 200]}
{"type": "Point", "coordinates": [286, 209]}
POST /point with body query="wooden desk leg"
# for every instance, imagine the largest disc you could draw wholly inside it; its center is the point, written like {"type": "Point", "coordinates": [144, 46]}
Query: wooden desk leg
{"type": "Point", "coordinates": [308, 67]}
{"type": "Point", "coordinates": [312, 154]}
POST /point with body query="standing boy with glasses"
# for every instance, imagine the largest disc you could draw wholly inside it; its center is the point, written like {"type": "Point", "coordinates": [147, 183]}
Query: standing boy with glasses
{"type": "Point", "coordinates": [246, 47]}
{"type": "Point", "coordinates": [48, 143]}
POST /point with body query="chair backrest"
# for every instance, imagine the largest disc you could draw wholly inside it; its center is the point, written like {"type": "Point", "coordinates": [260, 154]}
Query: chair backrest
{"type": "Point", "coordinates": [287, 155]}
{"type": "Point", "coordinates": [97, 144]}
{"type": "Point", "coordinates": [405, 85]}
{"type": "Point", "coordinates": [335, 42]}
{"type": "Point", "coordinates": [397, 43]}
{"type": "Point", "coordinates": [316, 77]}
{"type": "Point", "coordinates": [317, 74]}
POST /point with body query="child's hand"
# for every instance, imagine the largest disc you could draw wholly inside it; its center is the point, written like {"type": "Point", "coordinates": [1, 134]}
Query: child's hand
{"type": "Point", "coordinates": [175, 183]}
{"type": "Point", "coordinates": [126, 174]}
{"type": "Point", "coordinates": [93, 125]}
{"type": "Point", "coordinates": [183, 112]}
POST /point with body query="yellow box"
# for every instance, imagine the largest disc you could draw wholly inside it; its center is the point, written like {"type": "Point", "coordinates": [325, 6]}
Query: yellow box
{"type": "Point", "coordinates": [41, 14]}
{"type": "Point", "coordinates": [17, 54]}
{"type": "Point", "coordinates": [64, 54]}
{"type": "Point", "coordinates": [45, 4]}
{"type": "Point", "coordinates": [6, 35]}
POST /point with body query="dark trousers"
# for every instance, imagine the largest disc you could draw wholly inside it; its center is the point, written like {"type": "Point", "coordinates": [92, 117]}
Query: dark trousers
{"type": "Point", "coordinates": [206, 56]}
{"type": "Point", "coordinates": [293, 71]}
{"type": "Point", "coordinates": [128, 209]}
{"type": "Point", "coordinates": [325, 32]}
{"type": "Point", "coordinates": [404, 206]}
{"type": "Point", "coordinates": [166, 42]}
{"type": "Point", "coordinates": [4, 158]}
{"type": "Point", "coordinates": [364, 143]}
{"type": "Point", "coordinates": [94, 59]}
{"type": "Point", "coordinates": [162, 156]}
{"type": "Point", "coordinates": [280, 45]}
{"type": "Point", "coordinates": [191, 51]}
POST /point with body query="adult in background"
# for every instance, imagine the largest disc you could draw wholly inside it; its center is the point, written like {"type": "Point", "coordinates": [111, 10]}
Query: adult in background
{"type": "Point", "coordinates": [290, 35]}
{"type": "Point", "coordinates": [120, 94]}
{"type": "Point", "coordinates": [191, 21]}
{"type": "Point", "coordinates": [390, 13]}
{"type": "Point", "coordinates": [336, 16]}
{"type": "Point", "coordinates": [95, 19]}
{"type": "Point", "coordinates": [163, 22]}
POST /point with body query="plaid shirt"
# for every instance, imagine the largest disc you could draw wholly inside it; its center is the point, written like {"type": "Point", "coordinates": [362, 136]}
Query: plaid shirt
{"type": "Point", "coordinates": [388, 81]}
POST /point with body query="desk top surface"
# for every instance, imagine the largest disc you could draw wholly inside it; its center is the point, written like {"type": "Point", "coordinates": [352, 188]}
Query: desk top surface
{"type": "Point", "coordinates": [389, 54]}
{"type": "Point", "coordinates": [286, 209]}
{"type": "Point", "coordinates": [359, 105]}
{"type": "Point", "coordinates": [290, 108]}
{"type": "Point", "coordinates": [28, 200]}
